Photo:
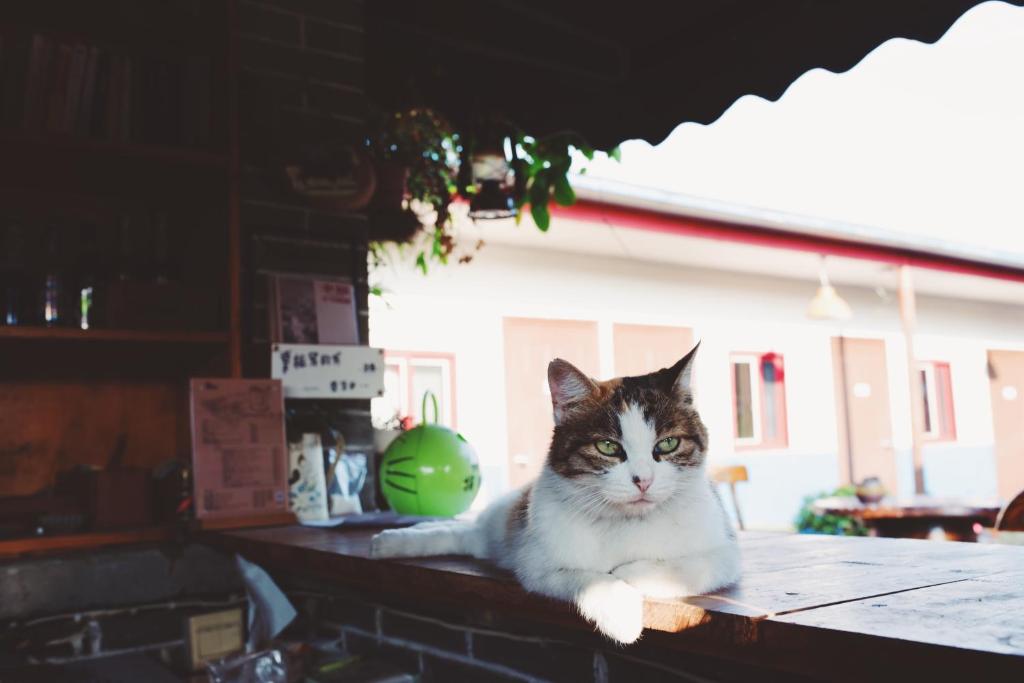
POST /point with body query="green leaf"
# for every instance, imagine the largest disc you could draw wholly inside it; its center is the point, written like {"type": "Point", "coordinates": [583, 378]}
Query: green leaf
{"type": "Point", "coordinates": [421, 262]}
{"type": "Point", "coordinates": [541, 215]}
{"type": "Point", "coordinates": [564, 193]}
{"type": "Point", "coordinates": [540, 188]}
{"type": "Point", "coordinates": [615, 153]}
{"type": "Point", "coordinates": [588, 152]}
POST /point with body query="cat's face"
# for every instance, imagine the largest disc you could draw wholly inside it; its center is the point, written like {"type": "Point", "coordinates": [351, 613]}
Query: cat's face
{"type": "Point", "coordinates": [625, 446]}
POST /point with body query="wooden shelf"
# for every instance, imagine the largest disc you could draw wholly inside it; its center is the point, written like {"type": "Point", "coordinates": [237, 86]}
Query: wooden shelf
{"type": "Point", "coordinates": [17, 547]}
{"type": "Point", "coordinates": [66, 144]}
{"type": "Point", "coordinates": [72, 393]}
{"type": "Point", "coordinates": [143, 336]}
{"type": "Point", "coordinates": [56, 165]}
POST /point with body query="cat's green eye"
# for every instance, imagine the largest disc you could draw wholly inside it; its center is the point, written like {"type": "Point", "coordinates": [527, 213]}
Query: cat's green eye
{"type": "Point", "coordinates": [666, 445]}
{"type": "Point", "coordinates": [608, 447]}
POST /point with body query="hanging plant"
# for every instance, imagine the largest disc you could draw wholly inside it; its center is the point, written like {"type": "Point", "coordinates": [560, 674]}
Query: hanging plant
{"type": "Point", "coordinates": [417, 151]}
{"type": "Point", "coordinates": [542, 172]}
{"type": "Point", "coordinates": [422, 160]}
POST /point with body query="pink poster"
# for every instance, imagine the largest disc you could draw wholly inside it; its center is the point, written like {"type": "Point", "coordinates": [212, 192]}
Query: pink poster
{"type": "Point", "coordinates": [239, 461]}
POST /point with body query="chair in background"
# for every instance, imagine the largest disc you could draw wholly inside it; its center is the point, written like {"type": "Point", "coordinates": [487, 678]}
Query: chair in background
{"type": "Point", "coordinates": [1011, 517]}
{"type": "Point", "coordinates": [730, 475]}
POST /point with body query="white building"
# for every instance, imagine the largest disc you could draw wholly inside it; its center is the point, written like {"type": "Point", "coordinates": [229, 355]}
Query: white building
{"type": "Point", "coordinates": [620, 289]}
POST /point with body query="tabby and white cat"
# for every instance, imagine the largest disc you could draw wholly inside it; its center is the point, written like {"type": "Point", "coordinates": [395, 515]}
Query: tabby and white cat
{"type": "Point", "coordinates": [621, 510]}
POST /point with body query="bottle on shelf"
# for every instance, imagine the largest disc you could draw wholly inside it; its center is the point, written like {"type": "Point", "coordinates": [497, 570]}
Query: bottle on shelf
{"type": "Point", "coordinates": [52, 306]}
{"type": "Point", "coordinates": [89, 285]}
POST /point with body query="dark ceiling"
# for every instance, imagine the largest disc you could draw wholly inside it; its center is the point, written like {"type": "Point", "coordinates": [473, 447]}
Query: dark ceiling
{"type": "Point", "coordinates": [619, 70]}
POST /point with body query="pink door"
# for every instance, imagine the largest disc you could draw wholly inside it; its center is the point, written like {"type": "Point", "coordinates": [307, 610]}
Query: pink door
{"type": "Point", "coordinates": [1006, 370]}
{"type": "Point", "coordinates": [640, 349]}
{"type": "Point", "coordinates": [860, 367]}
{"type": "Point", "coordinates": [530, 344]}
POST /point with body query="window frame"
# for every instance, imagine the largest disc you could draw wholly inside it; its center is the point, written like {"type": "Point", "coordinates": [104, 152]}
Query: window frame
{"type": "Point", "coordinates": [406, 361]}
{"type": "Point", "coordinates": [758, 389]}
{"type": "Point", "coordinates": [752, 362]}
{"type": "Point", "coordinates": [943, 422]}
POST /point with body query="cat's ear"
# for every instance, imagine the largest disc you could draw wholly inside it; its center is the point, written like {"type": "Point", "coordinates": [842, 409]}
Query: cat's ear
{"type": "Point", "coordinates": [682, 372]}
{"type": "Point", "coordinates": [568, 386]}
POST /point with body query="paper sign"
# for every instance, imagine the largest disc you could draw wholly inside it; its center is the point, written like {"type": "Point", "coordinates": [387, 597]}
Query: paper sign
{"type": "Point", "coordinates": [328, 371]}
{"type": "Point", "coordinates": [238, 452]}
{"type": "Point", "coordinates": [214, 635]}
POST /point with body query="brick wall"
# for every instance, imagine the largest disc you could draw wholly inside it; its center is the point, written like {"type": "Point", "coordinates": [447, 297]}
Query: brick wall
{"type": "Point", "coordinates": [301, 85]}
{"type": "Point", "coordinates": [470, 643]}
{"type": "Point", "coordinates": [109, 602]}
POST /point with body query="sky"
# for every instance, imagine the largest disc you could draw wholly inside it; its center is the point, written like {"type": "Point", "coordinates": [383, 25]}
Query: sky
{"type": "Point", "coordinates": [916, 139]}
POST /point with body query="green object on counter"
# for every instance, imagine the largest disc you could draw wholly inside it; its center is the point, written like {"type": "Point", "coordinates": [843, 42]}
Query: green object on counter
{"type": "Point", "coordinates": [430, 470]}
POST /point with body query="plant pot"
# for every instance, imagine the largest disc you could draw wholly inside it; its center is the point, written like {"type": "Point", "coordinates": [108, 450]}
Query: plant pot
{"type": "Point", "coordinates": [391, 181]}
{"type": "Point", "coordinates": [870, 491]}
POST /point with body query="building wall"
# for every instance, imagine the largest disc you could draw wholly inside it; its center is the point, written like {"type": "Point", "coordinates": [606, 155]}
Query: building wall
{"type": "Point", "coordinates": [460, 309]}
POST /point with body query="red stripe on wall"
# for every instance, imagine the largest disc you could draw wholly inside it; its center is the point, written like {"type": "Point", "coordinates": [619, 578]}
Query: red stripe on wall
{"type": "Point", "coordinates": [655, 221]}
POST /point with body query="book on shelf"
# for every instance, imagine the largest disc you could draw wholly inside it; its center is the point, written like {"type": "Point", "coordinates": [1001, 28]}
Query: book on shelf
{"type": "Point", "coordinates": [76, 78]}
{"type": "Point", "coordinates": [57, 89]}
{"type": "Point", "coordinates": [72, 87]}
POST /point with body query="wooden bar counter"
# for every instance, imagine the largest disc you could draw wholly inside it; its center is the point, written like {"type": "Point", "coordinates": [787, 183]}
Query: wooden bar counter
{"type": "Point", "coordinates": [810, 607]}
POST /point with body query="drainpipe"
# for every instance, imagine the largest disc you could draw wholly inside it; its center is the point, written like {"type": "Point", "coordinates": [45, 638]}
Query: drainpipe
{"type": "Point", "coordinates": [846, 407]}
{"type": "Point", "coordinates": [908, 316]}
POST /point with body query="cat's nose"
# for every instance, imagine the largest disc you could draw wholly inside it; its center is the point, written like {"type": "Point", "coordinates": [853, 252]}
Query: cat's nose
{"type": "Point", "coordinates": [643, 483]}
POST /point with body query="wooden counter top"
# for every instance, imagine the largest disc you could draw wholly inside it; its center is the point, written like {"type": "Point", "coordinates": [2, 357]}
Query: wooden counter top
{"type": "Point", "coordinates": [837, 608]}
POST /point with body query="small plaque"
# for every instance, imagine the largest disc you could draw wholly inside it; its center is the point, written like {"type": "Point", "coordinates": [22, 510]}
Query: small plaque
{"type": "Point", "coordinates": [328, 371]}
{"type": "Point", "coordinates": [213, 635]}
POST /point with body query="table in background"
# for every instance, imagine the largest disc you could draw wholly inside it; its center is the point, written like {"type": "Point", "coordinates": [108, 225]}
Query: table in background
{"type": "Point", "coordinates": [914, 517]}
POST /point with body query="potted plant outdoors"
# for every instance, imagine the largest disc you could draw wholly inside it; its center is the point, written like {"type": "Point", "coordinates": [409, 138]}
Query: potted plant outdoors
{"type": "Point", "coordinates": [809, 522]}
{"type": "Point", "coordinates": [416, 154]}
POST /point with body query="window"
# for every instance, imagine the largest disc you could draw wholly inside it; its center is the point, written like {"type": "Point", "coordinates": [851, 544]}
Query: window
{"type": "Point", "coordinates": [759, 400]}
{"type": "Point", "coordinates": [408, 375]}
{"type": "Point", "coordinates": [937, 396]}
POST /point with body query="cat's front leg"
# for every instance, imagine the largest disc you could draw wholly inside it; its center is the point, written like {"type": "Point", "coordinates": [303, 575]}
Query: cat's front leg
{"type": "Point", "coordinates": [682, 576]}
{"type": "Point", "coordinates": [612, 605]}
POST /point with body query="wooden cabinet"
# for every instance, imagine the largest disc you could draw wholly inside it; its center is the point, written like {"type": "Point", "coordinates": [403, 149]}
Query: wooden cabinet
{"type": "Point", "coordinates": [74, 398]}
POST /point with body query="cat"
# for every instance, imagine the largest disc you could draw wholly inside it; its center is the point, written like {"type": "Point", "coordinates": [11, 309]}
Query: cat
{"type": "Point", "coordinates": [622, 508]}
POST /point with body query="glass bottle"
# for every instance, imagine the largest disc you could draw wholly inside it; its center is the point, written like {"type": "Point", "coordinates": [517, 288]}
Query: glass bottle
{"type": "Point", "coordinates": [51, 307]}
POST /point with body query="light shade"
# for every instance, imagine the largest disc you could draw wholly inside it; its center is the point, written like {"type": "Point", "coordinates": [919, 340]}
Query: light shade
{"type": "Point", "coordinates": [828, 305]}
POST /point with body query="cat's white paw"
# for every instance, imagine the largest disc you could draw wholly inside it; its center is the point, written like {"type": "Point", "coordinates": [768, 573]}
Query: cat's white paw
{"type": "Point", "coordinates": [654, 579]}
{"type": "Point", "coordinates": [387, 543]}
{"type": "Point", "coordinates": [616, 608]}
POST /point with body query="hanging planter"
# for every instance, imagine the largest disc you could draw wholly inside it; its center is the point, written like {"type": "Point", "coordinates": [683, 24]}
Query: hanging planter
{"type": "Point", "coordinates": [423, 162]}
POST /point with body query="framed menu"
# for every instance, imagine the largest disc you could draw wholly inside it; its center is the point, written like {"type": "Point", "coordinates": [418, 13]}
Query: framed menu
{"type": "Point", "coordinates": [239, 460]}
